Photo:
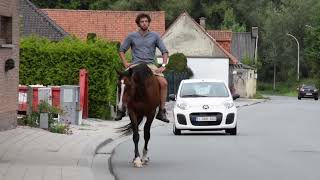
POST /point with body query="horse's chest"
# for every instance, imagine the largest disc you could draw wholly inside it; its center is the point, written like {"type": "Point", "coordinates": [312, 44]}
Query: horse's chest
{"type": "Point", "coordinates": [141, 106]}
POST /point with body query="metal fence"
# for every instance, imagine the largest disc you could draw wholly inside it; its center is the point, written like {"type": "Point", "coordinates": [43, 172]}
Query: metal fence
{"type": "Point", "coordinates": [174, 79]}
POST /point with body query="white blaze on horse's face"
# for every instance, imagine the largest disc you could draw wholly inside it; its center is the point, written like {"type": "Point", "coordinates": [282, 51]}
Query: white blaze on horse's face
{"type": "Point", "coordinates": [121, 94]}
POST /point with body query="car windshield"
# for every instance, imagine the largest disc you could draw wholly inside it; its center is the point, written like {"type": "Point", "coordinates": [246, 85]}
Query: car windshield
{"type": "Point", "coordinates": [204, 89]}
{"type": "Point", "coordinates": [308, 86]}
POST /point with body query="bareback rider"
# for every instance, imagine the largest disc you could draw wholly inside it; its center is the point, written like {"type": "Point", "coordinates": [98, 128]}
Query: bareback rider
{"type": "Point", "coordinates": [143, 44]}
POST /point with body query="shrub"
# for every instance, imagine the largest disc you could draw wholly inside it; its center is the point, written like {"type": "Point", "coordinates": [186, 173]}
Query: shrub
{"type": "Point", "coordinates": [45, 107]}
{"type": "Point", "coordinates": [33, 120]}
{"type": "Point", "coordinates": [178, 64]}
{"type": "Point", "coordinates": [60, 128]}
{"type": "Point", "coordinates": [58, 63]}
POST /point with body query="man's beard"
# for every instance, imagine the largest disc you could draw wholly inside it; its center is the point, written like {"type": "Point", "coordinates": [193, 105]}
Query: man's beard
{"type": "Point", "coordinates": [144, 28]}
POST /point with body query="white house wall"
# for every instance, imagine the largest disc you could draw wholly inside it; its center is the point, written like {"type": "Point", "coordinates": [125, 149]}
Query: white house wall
{"type": "Point", "coordinates": [186, 37]}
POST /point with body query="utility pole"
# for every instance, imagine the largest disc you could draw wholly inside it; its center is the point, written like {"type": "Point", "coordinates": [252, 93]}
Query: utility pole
{"type": "Point", "coordinates": [274, 77]}
{"type": "Point", "coordinates": [255, 34]}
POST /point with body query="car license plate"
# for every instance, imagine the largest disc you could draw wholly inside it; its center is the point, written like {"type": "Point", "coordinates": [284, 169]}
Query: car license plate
{"type": "Point", "coordinates": [309, 94]}
{"type": "Point", "coordinates": [209, 118]}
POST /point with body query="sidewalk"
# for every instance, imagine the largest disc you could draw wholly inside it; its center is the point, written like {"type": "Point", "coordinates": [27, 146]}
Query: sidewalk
{"type": "Point", "coordinates": [35, 154]}
{"type": "Point", "coordinates": [31, 153]}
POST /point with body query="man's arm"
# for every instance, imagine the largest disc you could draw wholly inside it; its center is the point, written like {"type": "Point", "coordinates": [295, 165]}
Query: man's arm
{"type": "Point", "coordinates": [165, 58]}
{"type": "Point", "coordinates": [123, 59]}
{"type": "Point", "coordinates": [164, 52]}
{"type": "Point", "coordinates": [123, 49]}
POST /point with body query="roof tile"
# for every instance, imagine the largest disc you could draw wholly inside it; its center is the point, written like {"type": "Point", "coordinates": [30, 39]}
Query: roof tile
{"type": "Point", "coordinates": [110, 25]}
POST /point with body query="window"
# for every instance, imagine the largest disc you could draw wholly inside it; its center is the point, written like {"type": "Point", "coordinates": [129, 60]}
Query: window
{"type": "Point", "coordinates": [204, 89]}
{"type": "Point", "coordinates": [5, 30]}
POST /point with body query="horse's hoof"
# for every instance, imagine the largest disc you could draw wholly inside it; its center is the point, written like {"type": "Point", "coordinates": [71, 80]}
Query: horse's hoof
{"type": "Point", "coordinates": [137, 163]}
{"type": "Point", "coordinates": [145, 161]}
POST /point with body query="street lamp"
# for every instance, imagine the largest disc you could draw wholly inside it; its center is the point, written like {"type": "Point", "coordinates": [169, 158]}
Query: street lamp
{"type": "Point", "coordinates": [298, 65]}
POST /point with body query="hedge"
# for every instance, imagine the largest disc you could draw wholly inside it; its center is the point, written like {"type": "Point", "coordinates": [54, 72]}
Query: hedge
{"type": "Point", "coordinates": [178, 63]}
{"type": "Point", "coordinates": [58, 63]}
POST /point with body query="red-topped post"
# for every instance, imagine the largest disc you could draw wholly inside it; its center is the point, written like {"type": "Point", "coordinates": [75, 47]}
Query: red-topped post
{"type": "Point", "coordinates": [84, 93]}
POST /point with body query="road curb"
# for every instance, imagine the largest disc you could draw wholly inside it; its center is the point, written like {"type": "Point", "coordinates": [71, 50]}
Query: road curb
{"type": "Point", "coordinates": [89, 152]}
{"type": "Point", "coordinates": [111, 150]}
{"type": "Point", "coordinates": [101, 144]}
{"type": "Point", "coordinates": [251, 104]}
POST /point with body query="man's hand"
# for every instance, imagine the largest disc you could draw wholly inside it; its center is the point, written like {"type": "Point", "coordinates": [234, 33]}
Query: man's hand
{"type": "Point", "coordinates": [160, 69]}
{"type": "Point", "coordinates": [126, 64]}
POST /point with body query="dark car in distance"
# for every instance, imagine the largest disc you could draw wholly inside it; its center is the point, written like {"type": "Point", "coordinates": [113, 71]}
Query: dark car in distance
{"type": "Point", "coordinates": [308, 91]}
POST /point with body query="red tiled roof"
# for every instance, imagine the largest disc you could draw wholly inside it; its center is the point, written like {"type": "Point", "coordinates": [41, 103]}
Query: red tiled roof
{"type": "Point", "coordinates": [224, 38]}
{"type": "Point", "coordinates": [220, 35]}
{"type": "Point", "coordinates": [110, 25]}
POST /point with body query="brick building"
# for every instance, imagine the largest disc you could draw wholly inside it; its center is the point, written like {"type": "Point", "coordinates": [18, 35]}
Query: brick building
{"type": "Point", "coordinates": [9, 63]}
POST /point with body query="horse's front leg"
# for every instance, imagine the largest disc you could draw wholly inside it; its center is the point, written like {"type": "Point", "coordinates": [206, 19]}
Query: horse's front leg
{"type": "Point", "coordinates": [147, 128]}
{"type": "Point", "coordinates": [135, 128]}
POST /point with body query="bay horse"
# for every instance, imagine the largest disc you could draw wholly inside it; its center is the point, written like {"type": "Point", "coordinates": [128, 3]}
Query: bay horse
{"type": "Point", "coordinates": [142, 96]}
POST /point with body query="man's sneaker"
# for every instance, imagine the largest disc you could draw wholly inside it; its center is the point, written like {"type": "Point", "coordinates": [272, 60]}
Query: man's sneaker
{"type": "Point", "coordinates": [162, 115]}
{"type": "Point", "coordinates": [120, 114]}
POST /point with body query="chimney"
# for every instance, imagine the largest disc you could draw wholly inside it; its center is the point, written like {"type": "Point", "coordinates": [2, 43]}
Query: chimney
{"type": "Point", "coordinates": [203, 22]}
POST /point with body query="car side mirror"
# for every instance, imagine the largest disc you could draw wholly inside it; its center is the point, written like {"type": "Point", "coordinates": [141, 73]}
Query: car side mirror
{"type": "Point", "coordinates": [172, 97]}
{"type": "Point", "coordinates": [235, 96]}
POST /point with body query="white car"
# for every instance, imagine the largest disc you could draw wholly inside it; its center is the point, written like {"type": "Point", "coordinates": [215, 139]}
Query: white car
{"type": "Point", "coordinates": [204, 104]}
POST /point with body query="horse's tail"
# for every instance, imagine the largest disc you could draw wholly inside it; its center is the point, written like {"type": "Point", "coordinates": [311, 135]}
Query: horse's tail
{"type": "Point", "coordinates": [127, 129]}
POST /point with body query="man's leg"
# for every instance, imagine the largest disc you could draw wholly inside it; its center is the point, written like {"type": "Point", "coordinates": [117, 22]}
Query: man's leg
{"type": "Point", "coordinates": [163, 92]}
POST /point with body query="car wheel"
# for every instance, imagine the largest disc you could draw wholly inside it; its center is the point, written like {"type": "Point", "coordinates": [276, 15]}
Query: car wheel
{"type": "Point", "coordinates": [232, 131]}
{"type": "Point", "coordinates": [299, 98]}
{"type": "Point", "coordinates": [316, 98]}
{"type": "Point", "coordinates": [176, 131]}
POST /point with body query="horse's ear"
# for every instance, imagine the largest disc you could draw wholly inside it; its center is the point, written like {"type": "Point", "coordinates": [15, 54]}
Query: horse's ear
{"type": "Point", "coordinates": [130, 72]}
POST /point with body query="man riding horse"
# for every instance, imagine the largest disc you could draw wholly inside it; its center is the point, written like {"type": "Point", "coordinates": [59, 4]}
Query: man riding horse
{"type": "Point", "coordinates": [143, 44]}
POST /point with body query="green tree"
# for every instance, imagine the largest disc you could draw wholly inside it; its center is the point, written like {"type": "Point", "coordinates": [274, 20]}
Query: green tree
{"type": "Point", "coordinates": [313, 51]}
{"type": "Point", "coordinates": [63, 4]}
{"type": "Point", "coordinates": [229, 22]}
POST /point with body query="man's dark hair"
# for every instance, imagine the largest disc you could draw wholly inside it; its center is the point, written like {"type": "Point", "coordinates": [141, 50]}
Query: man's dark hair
{"type": "Point", "coordinates": [142, 15]}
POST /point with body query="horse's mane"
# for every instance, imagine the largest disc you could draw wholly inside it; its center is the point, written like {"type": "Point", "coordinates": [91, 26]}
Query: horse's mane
{"type": "Point", "coordinates": [139, 74]}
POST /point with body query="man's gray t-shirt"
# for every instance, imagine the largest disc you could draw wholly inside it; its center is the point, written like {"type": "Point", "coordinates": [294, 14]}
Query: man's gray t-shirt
{"type": "Point", "coordinates": [143, 47]}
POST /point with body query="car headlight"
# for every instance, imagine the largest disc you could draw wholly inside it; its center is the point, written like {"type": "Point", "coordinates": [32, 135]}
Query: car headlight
{"type": "Point", "coordinates": [228, 105]}
{"type": "Point", "coordinates": [316, 90]}
{"type": "Point", "coordinates": [182, 105]}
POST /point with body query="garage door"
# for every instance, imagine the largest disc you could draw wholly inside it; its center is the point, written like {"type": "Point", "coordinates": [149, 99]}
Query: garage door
{"type": "Point", "coordinates": [213, 68]}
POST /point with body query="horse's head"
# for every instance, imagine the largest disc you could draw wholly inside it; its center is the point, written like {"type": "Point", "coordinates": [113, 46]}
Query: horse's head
{"type": "Point", "coordinates": [125, 76]}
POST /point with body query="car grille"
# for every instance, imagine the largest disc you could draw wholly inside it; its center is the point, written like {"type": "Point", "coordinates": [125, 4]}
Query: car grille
{"type": "Point", "coordinates": [307, 91]}
{"type": "Point", "coordinates": [193, 117]}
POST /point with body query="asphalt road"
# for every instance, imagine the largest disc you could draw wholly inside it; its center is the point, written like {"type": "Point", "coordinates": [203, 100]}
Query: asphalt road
{"type": "Point", "coordinates": [278, 140]}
